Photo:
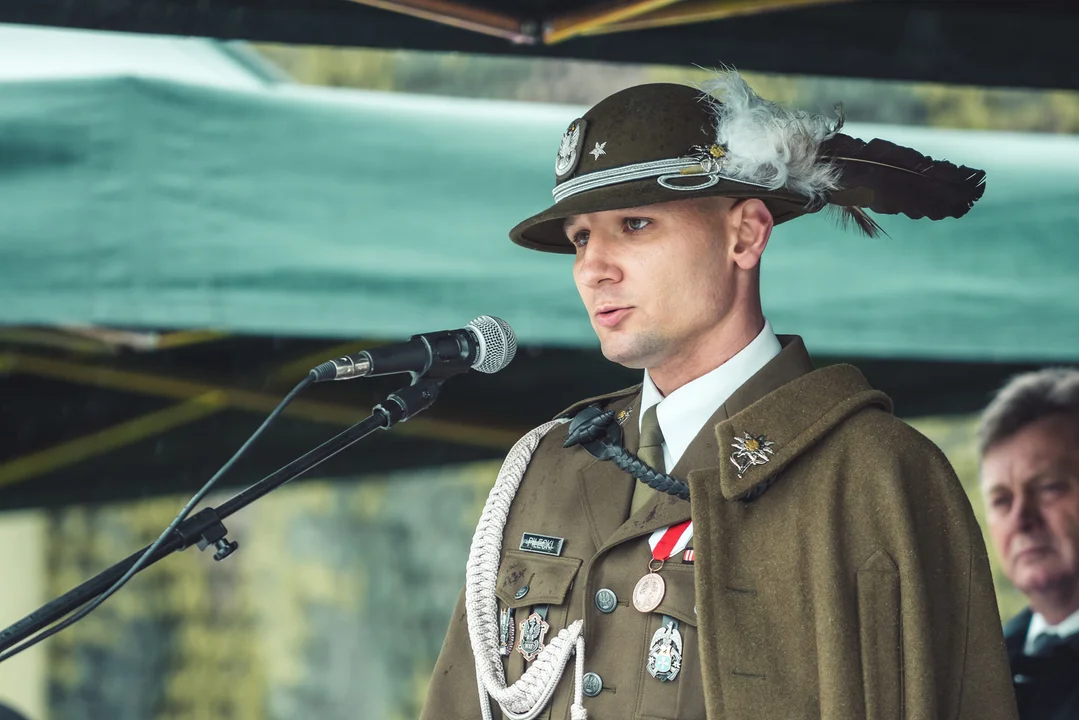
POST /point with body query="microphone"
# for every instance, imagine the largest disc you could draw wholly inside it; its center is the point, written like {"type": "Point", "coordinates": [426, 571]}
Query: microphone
{"type": "Point", "coordinates": [486, 344]}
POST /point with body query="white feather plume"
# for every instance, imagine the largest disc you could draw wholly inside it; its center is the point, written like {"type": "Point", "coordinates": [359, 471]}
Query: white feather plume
{"type": "Point", "coordinates": [767, 144]}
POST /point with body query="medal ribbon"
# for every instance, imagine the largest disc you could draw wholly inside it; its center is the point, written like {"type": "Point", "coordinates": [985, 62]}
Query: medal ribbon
{"type": "Point", "coordinates": [669, 541]}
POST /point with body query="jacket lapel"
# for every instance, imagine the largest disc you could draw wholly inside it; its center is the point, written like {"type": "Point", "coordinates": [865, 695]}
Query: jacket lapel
{"type": "Point", "coordinates": [606, 490]}
{"type": "Point", "coordinates": [1015, 634]}
{"type": "Point", "coordinates": [663, 509]}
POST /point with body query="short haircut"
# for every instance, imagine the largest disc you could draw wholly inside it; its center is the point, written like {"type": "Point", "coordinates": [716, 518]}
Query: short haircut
{"type": "Point", "coordinates": [1028, 398]}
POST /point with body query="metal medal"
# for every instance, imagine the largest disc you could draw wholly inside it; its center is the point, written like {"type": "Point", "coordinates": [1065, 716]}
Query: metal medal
{"type": "Point", "coordinates": [533, 631]}
{"type": "Point", "coordinates": [649, 591]}
{"type": "Point", "coordinates": [665, 652]}
{"type": "Point", "coordinates": [506, 629]}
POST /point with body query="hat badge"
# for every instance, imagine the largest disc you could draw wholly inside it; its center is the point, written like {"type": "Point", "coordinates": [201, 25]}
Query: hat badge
{"type": "Point", "coordinates": [569, 149]}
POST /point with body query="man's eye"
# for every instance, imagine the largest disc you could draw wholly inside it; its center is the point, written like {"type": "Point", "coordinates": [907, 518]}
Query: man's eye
{"type": "Point", "coordinates": [1054, 488]}
{"type": "Point", "coordinates": [635, 224]}
{"type": "Point", "coordinates": [580, 238]}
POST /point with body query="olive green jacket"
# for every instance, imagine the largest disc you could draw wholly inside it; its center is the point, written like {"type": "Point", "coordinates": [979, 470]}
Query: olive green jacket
{"type": "Point", "coordinates": [846, 577]}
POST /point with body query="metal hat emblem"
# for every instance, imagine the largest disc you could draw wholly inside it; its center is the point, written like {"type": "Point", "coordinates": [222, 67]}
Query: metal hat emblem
{"type": "Point", "coordinates": [569, 149]}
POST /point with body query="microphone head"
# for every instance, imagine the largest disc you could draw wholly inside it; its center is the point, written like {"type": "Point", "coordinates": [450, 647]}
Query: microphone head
{"type": "Point", "coordinates": [497, 343]}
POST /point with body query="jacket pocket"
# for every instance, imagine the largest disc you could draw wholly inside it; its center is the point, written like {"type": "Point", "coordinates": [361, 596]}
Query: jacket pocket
{"type": "Point", "coordinates": [531, 579]}
{"type": "Point", "coordinates": [527, 582]}
{"type": "Point", "coordinates": [879, 634]}
{"type": "Point", "coordinates": [682, 697]}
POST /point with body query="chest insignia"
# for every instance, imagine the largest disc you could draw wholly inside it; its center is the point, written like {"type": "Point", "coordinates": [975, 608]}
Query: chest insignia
{"type": "Point", "coordinates": [750, 450]}
{"type": "Point", "coordinates": [665, 652]}
{"type": "Point", "coordinates": [533, 631]}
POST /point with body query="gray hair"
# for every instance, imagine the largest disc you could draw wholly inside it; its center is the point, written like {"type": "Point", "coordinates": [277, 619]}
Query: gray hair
{"type": "Point", "coordinates": [1028, 398]}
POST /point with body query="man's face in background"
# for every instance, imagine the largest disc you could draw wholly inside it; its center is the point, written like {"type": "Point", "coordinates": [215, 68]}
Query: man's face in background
{"type": "Point", "coordinates": [1030, 481]}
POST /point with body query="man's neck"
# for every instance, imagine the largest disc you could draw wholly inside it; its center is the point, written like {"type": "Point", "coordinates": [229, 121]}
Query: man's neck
{"type": "Point", "coordinates": [1056, 606]}
{"type": "Point", "coordinates": [708, 355]}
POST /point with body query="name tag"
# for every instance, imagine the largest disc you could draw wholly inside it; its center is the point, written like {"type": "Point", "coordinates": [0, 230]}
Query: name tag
{"type": "Point", "coordinates": [543, 544]}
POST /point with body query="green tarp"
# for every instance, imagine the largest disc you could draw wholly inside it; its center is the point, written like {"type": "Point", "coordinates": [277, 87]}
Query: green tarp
{"type": "Point", "coordinates": [309, 212]}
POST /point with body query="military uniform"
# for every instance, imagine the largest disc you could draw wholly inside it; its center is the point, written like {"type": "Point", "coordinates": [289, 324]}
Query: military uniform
{"type": "Point", "coordinates": [836, 570]}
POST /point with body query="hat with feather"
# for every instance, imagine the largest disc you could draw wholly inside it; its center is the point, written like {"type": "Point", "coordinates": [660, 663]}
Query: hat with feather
{"type": "Point", "coordinates": [661, 142]}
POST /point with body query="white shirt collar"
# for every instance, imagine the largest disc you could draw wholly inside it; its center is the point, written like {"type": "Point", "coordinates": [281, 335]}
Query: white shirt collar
{"type": "Point", "coordinates": [1040, 626]}
{"type": "Point", "coordinates": [682, 413]}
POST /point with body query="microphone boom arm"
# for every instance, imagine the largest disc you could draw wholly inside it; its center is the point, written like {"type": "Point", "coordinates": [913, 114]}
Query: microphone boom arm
{"type": "Point", "coordinates": [205, 528]}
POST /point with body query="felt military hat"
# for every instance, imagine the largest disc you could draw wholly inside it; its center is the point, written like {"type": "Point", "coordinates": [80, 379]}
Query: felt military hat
{"type": "Point", "coordinates": [661, 142]}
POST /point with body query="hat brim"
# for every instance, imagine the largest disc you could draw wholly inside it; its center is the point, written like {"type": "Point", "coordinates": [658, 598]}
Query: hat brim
{"type": "Point", "coordinates": [544, 231]}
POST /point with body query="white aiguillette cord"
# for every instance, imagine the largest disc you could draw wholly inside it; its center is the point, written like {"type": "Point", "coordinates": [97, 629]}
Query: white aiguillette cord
{"type": "Point", "coordinates": [526, 698]}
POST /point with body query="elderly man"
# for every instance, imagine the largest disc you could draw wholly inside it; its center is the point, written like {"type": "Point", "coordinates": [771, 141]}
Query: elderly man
{"type": "Point", "coordinates": [1030, 480]}
{"type": "Point", "coordinates": [797, 551]}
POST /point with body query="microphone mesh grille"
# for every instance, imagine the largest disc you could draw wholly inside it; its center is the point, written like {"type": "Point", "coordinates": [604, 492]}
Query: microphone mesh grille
{"type": "Point", "coordinates": [497, 343]}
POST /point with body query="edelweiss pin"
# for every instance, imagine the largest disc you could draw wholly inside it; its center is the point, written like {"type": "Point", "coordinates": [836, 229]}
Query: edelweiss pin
{"type": "Point", "coordinates": [569, 149]}
{"type": "Point", "coordinates": [750, 450]}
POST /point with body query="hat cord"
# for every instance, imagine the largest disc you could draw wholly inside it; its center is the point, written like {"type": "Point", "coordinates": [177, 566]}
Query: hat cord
{"type": "Point", "coordinates": [526, 698]}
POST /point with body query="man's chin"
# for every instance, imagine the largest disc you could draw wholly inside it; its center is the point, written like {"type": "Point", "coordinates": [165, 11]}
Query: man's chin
{"type": "Point", "coordinates": [627, 360]}
{"type": "Point", "coordinates": [636, 352]}
{"type": "Point", "coordinates": [1039, 579]}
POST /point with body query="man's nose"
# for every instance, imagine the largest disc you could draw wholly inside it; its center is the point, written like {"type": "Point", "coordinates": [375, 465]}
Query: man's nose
{"type": "Point", "coordinates": [1028, 514]}
{"type": "Point", "coordinates": [597, 263]}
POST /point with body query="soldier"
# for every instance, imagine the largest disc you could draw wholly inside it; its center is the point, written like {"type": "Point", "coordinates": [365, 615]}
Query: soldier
{"type": "Point", "coordinates": [806, 554]}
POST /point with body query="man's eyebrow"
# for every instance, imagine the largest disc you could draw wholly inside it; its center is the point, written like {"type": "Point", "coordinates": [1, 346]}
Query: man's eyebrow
{"type": "Point", "coordinates": [568, 222]}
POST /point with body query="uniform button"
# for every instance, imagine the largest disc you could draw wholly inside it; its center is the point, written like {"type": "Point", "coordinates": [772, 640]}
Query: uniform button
{"type": "Point", "coordinates": [591, 684]}
{"type": "Point", "coordinates": [606, 600]}
{"type": "Point", "coordinates": [521, 592]}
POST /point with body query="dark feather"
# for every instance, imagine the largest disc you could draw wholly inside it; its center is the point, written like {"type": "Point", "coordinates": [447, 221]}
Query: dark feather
{"type": "Point", "coordinates": [852, 213]}
{"type": "Point", "coordinates": [892, 179]}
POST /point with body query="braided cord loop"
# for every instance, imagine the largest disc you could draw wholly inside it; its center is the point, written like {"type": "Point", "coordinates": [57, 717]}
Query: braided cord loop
{"type": "Point", "coordinates": [526, 698]}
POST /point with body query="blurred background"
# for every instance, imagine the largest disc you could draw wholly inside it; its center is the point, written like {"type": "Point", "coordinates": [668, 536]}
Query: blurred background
{"type": "Point", "coordinates": [199, 201]}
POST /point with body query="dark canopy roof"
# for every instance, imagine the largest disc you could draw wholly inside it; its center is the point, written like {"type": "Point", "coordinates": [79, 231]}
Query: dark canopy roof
{"type": "Point", "coordinates": [1023, 43]}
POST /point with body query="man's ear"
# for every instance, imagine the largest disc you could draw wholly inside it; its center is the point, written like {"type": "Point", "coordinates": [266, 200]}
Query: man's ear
{"type": "Point", "coordinates": [751, 225]}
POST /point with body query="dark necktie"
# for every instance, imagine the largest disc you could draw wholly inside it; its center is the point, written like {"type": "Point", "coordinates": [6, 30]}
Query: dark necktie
{"type": "Point", "coordinates": [1046, 644]}
{"type": "Point", "coordinates": [651, 453]}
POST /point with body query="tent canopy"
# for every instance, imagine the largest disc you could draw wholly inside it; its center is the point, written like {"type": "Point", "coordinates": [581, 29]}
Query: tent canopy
{"type": "Point", "coordinates": [1012, 43]}
{"type": "Point", "coordinates": [301, 212]}
{"type": "Point", "coordinates": [169, 185]}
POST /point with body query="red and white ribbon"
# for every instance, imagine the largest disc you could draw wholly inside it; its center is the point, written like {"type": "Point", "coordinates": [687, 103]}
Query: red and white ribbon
{"type": "Point", "coordinates": [671, 540]}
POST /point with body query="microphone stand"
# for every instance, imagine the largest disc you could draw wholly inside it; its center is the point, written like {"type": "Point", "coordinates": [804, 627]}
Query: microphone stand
{"type": "Point", "coordinates": [205, 528]}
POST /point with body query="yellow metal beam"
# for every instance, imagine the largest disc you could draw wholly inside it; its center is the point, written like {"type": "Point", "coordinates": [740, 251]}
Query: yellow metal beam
{"type": "Point", "coordinates": [458, 15]}
{"type": "Point", "coordinates": [104, 341]}
{"type": "Point", "coordinates": [578, 23]}
{"type": "Point", "coordinates": [48, 337]}
{"type": "Point", "coordinates": [182, 338]}
{"type": "Point", "coordinates": [117, 436]}
{"type": "Point", "coordinates": [179, 389]}
{"type": "Point", "coordinates": [702, 11]}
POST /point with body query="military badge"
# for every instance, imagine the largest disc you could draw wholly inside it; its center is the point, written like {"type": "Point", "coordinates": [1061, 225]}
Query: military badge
{"type": "Point", "coordinates": [505, 632]}
{"type": "Point", "coordinates": [569, 149]}
{"type": "Point", "coordinates": [533, 631]}
{"type": "Point", "coordinates": [598, 150]}
{"type": "Point", "coordinates": [665, 652]}
{"type": "Point", "coordinates": [750, 450]}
